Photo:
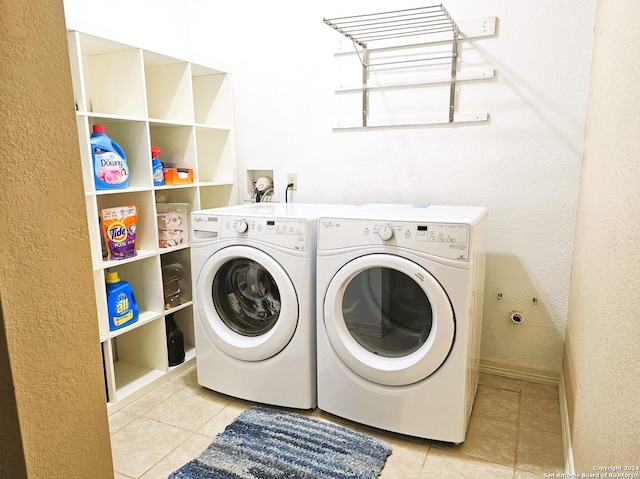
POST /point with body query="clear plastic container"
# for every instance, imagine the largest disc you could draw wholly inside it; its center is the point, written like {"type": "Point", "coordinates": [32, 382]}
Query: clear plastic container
{"type": "Point", "coordinates": [175, 285]}
{"type": "Point", "coordinates": [173, 224]}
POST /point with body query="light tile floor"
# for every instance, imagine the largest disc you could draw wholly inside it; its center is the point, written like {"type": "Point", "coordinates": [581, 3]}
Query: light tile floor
{"type": "Point", "coordinates": [514, 433]}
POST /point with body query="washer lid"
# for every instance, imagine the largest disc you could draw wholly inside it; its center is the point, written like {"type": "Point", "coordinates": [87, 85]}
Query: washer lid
{"type": "Point", "coordinates": [246, 303]}
{"type": "Point", "coordinates": [388, 319]}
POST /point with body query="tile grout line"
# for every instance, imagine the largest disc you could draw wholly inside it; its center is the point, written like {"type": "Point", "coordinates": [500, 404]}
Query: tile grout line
{"type": "Point", "coordinates": [518, 432]}
{"type": "Point", "coordinates": [426, 456]}
{"type": "Point", "coordinates": [155, 463]}
{"type": "Point", "coordinates": [476, 458]}
{"type": "Point", "coordinates": [165, 456]}
{"type": "Point", "coordinates": [124, 409]}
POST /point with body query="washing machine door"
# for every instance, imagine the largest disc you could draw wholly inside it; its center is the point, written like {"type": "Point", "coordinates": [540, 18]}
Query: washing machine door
{"type": "Point", "coordinates": [388, 319]}
{"type": "Point", "coordinates": [247, 303]}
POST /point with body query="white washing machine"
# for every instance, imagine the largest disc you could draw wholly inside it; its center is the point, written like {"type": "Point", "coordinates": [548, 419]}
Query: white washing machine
{"type": "Point", "coordinates": [400, 293]}
{"type": "Point", "coordinates": [253, 271]}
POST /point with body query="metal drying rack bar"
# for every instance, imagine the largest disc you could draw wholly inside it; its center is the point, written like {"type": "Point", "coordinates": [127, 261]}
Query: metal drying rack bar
{"type": "Point", "coordinates": [400, 29]}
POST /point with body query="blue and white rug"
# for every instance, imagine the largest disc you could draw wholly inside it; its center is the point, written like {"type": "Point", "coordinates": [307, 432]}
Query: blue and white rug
{"type": "Point", "coordinates": [263, 443]}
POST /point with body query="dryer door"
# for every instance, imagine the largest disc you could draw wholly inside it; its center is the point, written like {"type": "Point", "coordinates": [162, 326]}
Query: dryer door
{"type": "Point", "coordinates": [388, 319]}
{"type": "Point", "coordinates": [246, 303]}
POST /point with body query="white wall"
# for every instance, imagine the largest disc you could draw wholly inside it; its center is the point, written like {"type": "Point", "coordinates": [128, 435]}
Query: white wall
{"type": "Point", "coordinates": [524, 164]}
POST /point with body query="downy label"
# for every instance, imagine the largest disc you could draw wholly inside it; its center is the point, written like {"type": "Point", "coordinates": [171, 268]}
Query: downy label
{"type": "Point", "coordinates": [110, 167]}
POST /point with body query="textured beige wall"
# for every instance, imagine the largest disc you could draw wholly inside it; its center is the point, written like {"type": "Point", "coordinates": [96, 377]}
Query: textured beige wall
{"type": "Point", "coordinates": [11, 454]}
{"type": "Point", "coordinates": [602, 359]}
{"type": "Point", "coordinates": [45, 268]}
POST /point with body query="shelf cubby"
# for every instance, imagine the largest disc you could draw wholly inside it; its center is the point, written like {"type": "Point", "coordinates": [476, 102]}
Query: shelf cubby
{"type": "Point", "coordinates": [215, 152]}
{"type": "Point", "coordinates": [212, 98]}
{"type": "Point", "coordinates": [216, 196]}
{"type": "Point", "coordinates": [146, 228]}
{"type": "Point", "coordinates": [181, 257]}
{"type": "Point", "coordinates": [169, 95]}
{"type": "Point", "coordinates": [133, 138]}
{"type": "Point", "coordinates": [114, 81]}
{"type": "Point", "coordinates": [184, 321]}
{"type": "Point", "coordinates": [177, 194]}
{"type": "Point", "coordinates": [140, 357]}
{"type": "Point", "coordinates": [145, 279]}
{"type": "Point", "coordinates": [95, 230]}
{"type": "Point", "coordinates": [101, 302]}
{"type": "Point", "coordinates": [84, 135]}
{"type": "Point", "coordinates": [177, 144]}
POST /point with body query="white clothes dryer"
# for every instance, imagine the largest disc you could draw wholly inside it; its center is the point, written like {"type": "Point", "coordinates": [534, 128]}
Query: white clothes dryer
{"type": "Point", "coordinates": [400, 293]}
{"type": "Point", "coordinates": [253, 271]}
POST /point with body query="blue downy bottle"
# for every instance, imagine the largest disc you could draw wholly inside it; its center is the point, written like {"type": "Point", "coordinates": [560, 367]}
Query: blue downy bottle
{"type": "Point", "coordinates": [121, 302]}
{"type": "Point", "coordinates": [157, 167]}
{"type": "Point", "coordinates": [110, 167]}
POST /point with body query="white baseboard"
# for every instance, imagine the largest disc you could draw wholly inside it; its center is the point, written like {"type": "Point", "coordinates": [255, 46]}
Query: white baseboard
{"type": "Point", "coordinates": [566, 430]}
{"type": "Point", "coordinates": [515, 371]}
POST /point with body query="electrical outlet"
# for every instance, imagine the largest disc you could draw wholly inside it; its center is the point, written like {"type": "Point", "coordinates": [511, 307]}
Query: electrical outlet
{"type": "Point", "coordinates": [292, 178]}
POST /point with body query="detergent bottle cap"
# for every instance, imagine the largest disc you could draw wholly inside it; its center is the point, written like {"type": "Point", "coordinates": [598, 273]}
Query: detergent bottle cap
{"type": "Point", "coordinates": [112, 277]}
{"type": "Point", "coordinates": [98, 128]}
{"type": "Point", "coordinates": [155, 151]}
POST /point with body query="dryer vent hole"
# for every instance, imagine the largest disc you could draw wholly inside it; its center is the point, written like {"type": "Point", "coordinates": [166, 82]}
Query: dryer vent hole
{"type": "Point", "coordinates": [517, 317]}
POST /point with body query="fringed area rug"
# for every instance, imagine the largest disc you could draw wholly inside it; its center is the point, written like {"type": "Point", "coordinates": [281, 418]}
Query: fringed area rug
{"type": "Point", "coordinates": [263, 443]}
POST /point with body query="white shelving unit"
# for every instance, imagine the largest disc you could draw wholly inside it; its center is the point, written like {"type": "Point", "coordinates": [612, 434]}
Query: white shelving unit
{"type": "Point", "coordinates": [144, 98]}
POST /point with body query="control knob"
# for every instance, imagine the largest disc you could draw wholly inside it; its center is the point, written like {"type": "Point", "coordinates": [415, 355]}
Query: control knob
{"type": "Point", "coordinates": [242, 226]}
{"type": "Point", "coordinates": [385, 233]}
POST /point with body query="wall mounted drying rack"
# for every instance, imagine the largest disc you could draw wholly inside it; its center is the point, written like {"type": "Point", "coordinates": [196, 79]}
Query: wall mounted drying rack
{"type": "Point", "coordinates": [381, 41]}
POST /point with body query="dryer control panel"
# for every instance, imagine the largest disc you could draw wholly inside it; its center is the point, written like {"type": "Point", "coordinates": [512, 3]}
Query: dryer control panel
{"type": "Point", "coordinates": [447, 240]}
{"type": "Point", "coordinates": [290, 233]}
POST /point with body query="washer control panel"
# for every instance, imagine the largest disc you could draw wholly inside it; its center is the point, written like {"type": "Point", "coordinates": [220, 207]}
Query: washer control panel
{"type": "Point", "coordinates": [291, 233]}
{"type": "Point", "coordinates": [447, 240]}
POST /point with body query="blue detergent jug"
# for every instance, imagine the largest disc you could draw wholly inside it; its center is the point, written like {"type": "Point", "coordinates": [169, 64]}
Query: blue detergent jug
{"type": "Point", "coordinates": [110, 168]}
{"type": "Point", "coordinates": [121, 302]}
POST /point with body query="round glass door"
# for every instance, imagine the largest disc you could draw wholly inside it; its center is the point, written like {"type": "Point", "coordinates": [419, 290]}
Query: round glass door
{"type": "Point", "coordinates": [388, 319]}
{"type": "Point", "coordinates": [386, 312]}
{"type": "Point", "coordinates": [246, 303]}
{"type": "Point", "coordinates": [246, 297]}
